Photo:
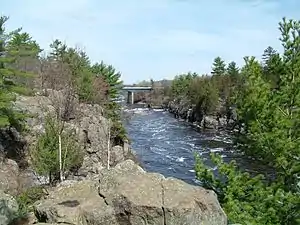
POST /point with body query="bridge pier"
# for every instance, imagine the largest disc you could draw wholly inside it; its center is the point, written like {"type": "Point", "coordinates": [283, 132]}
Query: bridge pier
{"type": "Point", "coordinates": [130, 92]}
{"type": "Point", "coordinates": [130, 97]}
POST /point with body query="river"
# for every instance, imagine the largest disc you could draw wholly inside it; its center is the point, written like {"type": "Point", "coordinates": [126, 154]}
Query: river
{"type": "Point", "coordinates": [167, 145]}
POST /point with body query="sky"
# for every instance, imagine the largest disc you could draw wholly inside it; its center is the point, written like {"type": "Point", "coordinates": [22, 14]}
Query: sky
{"type": "Point", "coordinates": [156, 39]}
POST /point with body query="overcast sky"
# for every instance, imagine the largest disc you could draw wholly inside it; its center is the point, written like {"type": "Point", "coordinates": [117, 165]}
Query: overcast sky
{"type": "Point", "coordinates": [155, 38]}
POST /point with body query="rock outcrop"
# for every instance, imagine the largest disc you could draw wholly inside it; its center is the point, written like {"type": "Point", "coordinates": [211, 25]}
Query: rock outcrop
{"type": "Point", "coordinates": [221, 119]}
{"type": "Point", "coordinates": [127, 195]}
{"type": "Point", "coordinates": [9, 171]}
{"type": "Point", "coordinates": [88, 122]}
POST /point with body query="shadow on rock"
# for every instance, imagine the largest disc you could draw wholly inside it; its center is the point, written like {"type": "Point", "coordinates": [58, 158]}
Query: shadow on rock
{"type": "Point", "coordinates": [123, 210]}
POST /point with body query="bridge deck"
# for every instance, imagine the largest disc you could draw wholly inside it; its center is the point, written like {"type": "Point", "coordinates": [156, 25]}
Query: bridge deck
{"type": "Point", "coordinates": [136, 88]}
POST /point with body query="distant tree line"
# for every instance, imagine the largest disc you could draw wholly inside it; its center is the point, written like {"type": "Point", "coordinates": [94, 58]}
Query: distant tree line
{"type": "Point", "coordinates": [158, 96]}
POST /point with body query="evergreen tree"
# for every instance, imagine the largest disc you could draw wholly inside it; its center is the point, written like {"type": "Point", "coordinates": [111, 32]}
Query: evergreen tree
{"type": "Point", "coordinates": [288, 105]}
{"type": "Point", "coordinates": [232, 70]}
{"type": "Point", "coordinates": [111, 76]}
{"type": "Point", "coordinates": [273, 66]}
{"type": "Point", "coordinates": [45, 152]}
{"type": "Point", "coordinates": [79, 64]}
{"type": "Point", "coordinates": [204, 95]}
{"type": "Point", "coordinates": [9, 77]}
{"type": "Point", "coordinates": [219, 67]}
{"type": "Point", "coordinates": [58, 50]}
{"type": "Point", "coordinates": [271, 119]}
{"type": "Point", "coordinates": [23, 45]}
{"type": "Point", "coordinates": [180, 85]}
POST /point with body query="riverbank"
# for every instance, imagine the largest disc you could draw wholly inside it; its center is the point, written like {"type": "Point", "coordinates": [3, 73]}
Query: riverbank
{"type": "Point", "coordinates": [221, 119]}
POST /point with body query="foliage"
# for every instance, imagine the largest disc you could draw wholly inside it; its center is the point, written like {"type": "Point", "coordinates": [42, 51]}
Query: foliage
{"type": "Point", "coordinates": [205, 98]}
{"type": "Point", "coordinates": [45, 152]}
{"type": "Point", "coordinates": [10, 76]}
{"type": "Point", "coordinates": [246, 199]}
{"type": "Point", "coordinates": [267, 102]}
{"type": "Point", "coordinates": [233, 72]}
{"type": "Point", "coordinates": [99, 83]}
{"type": "Point", "coordinates": [273, 66]}
{"type": "Point", "coordinates": [271, 117]}
{"type": "Point", "coordinates": [158, 96]}
{"type": "Point", "coordinates": [219, 67]}
{"type": "Point", "coordinates": [111, 77]}
{"type": "Point", "coordinates": [181, 84]}
{"type": "Point", "coordinates": [27, 198]}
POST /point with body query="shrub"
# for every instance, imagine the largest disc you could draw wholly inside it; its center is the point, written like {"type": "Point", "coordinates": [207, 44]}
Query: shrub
{"type": "Point", "coordinates": [27, 198]}
{"type": "Point", "coordinates": [45, 154]}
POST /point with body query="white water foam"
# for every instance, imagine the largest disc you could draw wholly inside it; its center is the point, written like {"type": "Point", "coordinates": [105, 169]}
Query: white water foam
{"type": "Point", "coordinates": [216, 149]}
{"type": "Point", "coordinates": [180, 159]}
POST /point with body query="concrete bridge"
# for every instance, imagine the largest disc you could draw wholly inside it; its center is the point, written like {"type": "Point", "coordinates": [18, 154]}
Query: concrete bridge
{"type": "Point", "coordinates": [131, 89]}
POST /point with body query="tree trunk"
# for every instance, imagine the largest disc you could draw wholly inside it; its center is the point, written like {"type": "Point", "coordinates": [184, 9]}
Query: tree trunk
{"type": "Point", "coordinates": [108, 145]}
{"type": "Point", "coordinates": [60, 159]}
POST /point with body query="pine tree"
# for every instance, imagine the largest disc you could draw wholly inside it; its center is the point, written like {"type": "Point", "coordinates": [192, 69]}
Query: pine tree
{"type": "Point", "coordinates": [180, 85]}
{"type": "Point", "coordinates": [82, 79]}
{"type": "Point", "coordinates": [232, 70]}
{"type": "Point", "coordinates": [254, 107]}
{"type": "Point", "coordinates": [23, 45]}
{"type": "Point", "coordinates": [219, 67]}
{"type": "Point", "coordinates": [58, 50]}
{"type": "Point", "coordinates": [288, 104]}
{"type": "Point", "coordinates": [9, 77]}
{"type": "Point", "coordinates": [111, 76]}
{"type": "Point", "coordinates": [45, 156]}
{"type": "Point", "coordinates": [273, 66]}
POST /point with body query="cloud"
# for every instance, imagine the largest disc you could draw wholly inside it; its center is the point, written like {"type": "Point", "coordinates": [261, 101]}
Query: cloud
{"type": "Point", "coordinates": [158, 38]}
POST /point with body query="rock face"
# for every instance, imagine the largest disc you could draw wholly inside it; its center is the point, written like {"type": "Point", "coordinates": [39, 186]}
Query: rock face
{"type": "Point", "coordinates": [13, 180]}
{"type": "Point", "coordinates": [9, 171]}
{"type": "Point", "coordinates": [12, 145]}
{"type": "Point", "coordinates": [127, 195]}
{"type": "Point", "coordinates": [221, 119]}
{"type": "Point", "coordinates": [88, 122]}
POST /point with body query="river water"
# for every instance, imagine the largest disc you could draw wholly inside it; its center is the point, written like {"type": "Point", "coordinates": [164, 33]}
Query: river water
{"type": "Point", "coordinates": [167, 145]}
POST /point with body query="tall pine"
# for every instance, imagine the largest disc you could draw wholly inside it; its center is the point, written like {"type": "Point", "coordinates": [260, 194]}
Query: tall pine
{"type": "Point", "coordinates": [219, 67]}
{"type": "Point", "coordinates": [111, 76]}
{"type": "Point", "coordinates": [9, 76]}
{"type": "Point", "coordinates": [273, 66]}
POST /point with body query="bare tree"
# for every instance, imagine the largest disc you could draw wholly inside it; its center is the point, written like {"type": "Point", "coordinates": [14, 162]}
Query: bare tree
{"type": "Point", "coordinates": [108, 143]}
{"type": "Point", "coordinates": [57, 83]}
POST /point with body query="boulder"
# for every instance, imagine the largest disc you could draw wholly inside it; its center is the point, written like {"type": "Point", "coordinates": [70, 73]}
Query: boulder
{"type": "Point", "coordinates": [9, 179]}
{"type": "Point", "coordinates": [127, 194]}
{"type": "Point", "coordinates": [8, 208]}
{"type": "Point", "coordinates": [117, 155]}
{"type": "Point", "coordinates": [13, 180]}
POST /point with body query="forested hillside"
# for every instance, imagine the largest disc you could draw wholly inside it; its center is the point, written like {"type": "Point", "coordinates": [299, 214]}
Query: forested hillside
{"type": "Point", "coordinates": [266, 98]}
